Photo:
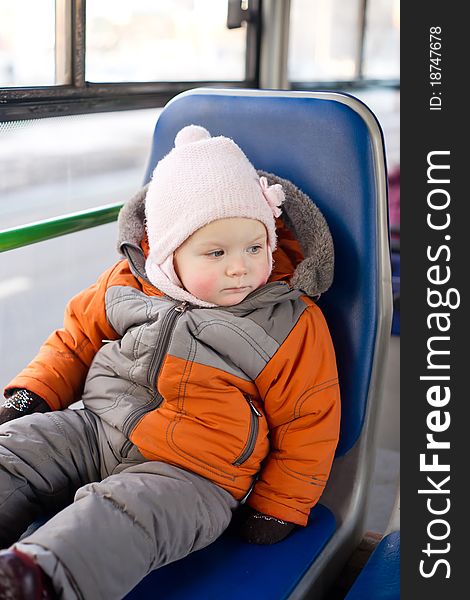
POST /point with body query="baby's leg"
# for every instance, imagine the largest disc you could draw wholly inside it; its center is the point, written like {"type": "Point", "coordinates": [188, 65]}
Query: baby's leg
{"type": "Point", "coordinates": [44, 459]}
{"type": "Point", "coordinates": [138, 519]}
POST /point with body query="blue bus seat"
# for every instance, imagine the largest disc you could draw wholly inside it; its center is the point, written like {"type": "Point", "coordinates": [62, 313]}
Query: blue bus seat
{"type": "Point", "coordinates": [380, 577]}
{"type": "Point", "coordinates": [231, 570]}
{"type": "Point", "coordinates": [331, 146]}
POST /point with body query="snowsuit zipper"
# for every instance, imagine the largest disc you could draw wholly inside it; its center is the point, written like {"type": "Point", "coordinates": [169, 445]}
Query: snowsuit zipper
{"type": "Point", "coordinates": [168, 325]}
{"type": "Point", "coordinates": [253, 433]}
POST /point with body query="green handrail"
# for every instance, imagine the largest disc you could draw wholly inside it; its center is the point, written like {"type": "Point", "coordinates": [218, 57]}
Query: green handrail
{"type": "Point", "coordinates": [17, 237]}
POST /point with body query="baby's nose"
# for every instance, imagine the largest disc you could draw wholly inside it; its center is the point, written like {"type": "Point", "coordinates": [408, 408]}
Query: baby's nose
{"type": "Point", "coordinates": [237, 267]}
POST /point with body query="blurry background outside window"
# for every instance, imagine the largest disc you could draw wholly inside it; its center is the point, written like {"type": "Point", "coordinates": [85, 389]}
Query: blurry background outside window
{"type": "Point", "coordinates": [324, 40]}
{"type": "Point", "coordinates": [27, 42]}
{"type": "Point", "coordinates": [382, 40]}
{"type": "Point", "coordinates": [142, 40]}
{"type": "Point", "coordinates": [148, 40]}
{"type": "Point", "coordinates": [50, 167]}
{"type": "Point", "coordinates": [153, 40]}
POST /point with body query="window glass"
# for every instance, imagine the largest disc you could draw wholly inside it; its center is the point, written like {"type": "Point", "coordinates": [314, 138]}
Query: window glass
{"type": "Point", "coordinates": [323, 40]}
{"type": "Point", "coordinates": [50, 167]}
{"type": "Point", "coordinates": [147, 40]}
{"type": "Point", "coordinates": [382, 40]}
{"type": "Point", "coordinates": [27, 39]}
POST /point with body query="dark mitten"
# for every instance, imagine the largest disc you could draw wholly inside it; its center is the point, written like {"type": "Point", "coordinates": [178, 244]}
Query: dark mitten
{"type": "Point", "coordinates": [257, 528]}
{"type": "Point", "coordinates": [20, 403]}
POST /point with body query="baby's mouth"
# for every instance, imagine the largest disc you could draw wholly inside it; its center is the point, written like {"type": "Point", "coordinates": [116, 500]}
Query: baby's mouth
{"type": "Point", "coordinates": [241, 288]}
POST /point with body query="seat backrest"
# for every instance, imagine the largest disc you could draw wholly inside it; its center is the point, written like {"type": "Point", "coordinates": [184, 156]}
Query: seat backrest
{"type": "Point", "coordinates": [331, 147]}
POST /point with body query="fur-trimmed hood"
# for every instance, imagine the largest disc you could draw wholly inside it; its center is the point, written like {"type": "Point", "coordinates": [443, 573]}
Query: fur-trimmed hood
{"type": "Point", "coordinates": [314, 275]}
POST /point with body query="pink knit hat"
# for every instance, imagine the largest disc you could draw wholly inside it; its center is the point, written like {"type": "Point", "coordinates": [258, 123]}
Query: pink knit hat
{"type": "Point", "coordinates": [202, 179]}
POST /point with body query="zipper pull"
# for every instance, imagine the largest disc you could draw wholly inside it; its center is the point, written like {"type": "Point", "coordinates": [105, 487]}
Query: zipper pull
{"type": "Point", "coordinates": [255, 410]}
{"type": "Point", "coordinates": [181, 307]}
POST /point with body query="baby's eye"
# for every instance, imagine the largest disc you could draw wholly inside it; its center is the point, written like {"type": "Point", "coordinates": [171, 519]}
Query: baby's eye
{"type": "Point", "coordinates": [216, 253]}
{"type": "Point", "coordinates": [254, 249]}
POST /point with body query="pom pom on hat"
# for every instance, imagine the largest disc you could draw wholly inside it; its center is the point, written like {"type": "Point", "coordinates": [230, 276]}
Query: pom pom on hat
{"type": "Point", "coordinates": [191, 134]}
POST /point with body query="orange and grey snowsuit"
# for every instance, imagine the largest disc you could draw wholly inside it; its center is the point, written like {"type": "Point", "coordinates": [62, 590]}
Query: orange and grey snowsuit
{"type": "Point", "coordinates": [243, 396]}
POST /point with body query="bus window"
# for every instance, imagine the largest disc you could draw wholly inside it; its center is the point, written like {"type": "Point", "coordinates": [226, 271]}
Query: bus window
{"type": "Point", "coordinates": [26, 50]}
{"type": "Point", "coordinates": [353, 42]}
{"type": "Point", "coordinates": [50, 167]}
{"type": "Point", "coordinates": [381, 51]}
{"type": "Point", "coordinates": [162, 41]}
{"type": "Point", "coordinates": [322, 43]}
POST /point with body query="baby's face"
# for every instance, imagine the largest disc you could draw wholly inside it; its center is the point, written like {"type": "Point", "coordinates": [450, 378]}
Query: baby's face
{"type": "Point", "coordinates": [224, 261]}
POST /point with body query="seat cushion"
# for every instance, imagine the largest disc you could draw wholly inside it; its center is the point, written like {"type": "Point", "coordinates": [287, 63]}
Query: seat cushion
{"type": "Point", "coordinates": [380, 578]}
{"type": "Point", "coordinates": [231, 569]}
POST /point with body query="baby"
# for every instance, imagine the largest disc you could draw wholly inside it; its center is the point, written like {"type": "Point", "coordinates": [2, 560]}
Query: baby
{"type": "Point", "coordinates": [208, 379]}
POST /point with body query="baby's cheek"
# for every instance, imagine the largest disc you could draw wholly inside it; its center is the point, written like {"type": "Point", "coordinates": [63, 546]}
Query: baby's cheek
{"type": "Point", "coordinates": [203, 286]}
{"type": "Point", "coordinates": [264, 274]}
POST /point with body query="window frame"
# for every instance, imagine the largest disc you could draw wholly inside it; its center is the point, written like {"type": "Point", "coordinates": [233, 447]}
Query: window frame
{"type": "Point", "coordinates": [79, 96]}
